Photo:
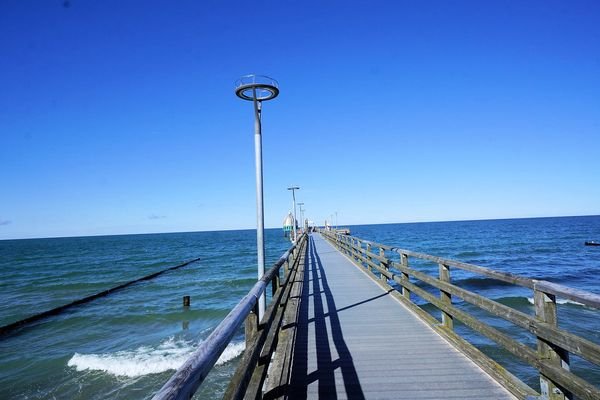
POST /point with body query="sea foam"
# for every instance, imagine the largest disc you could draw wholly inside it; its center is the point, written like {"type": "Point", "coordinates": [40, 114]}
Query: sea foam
{"type": "Point", "coordinates": [558, 301]}
{"type": "Point", "coordinates": [145, 360]}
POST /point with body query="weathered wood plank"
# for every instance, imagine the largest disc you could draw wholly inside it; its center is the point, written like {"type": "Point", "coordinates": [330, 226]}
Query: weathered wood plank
{"type": "Point", "coordinates": [445, 296]}
{"type": "Point", "coordinates": [554, 342]}
{"type": "Point", "coordinates": [250, 374]}
{"type": "Point", "coordinates": [566, 340]}
{"type": "Point", "coordinates": [580, 296]}
{"type": "Point", "coordinates": [571, 342]}
{"type": "Point", "coordinates": [344, 340]}
{"type": "Point", "coordinates": [490, 273]}
{"type": "Point", "coordinates": [280, 370]}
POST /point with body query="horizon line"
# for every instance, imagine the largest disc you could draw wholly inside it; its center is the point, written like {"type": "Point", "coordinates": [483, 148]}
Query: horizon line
{"type": "Point", "coordinates": [253, 229]}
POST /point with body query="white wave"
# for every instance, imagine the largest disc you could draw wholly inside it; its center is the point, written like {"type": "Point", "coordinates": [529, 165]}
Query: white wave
{"type": "Point", "coordinates": [231, 352]}
{"type": "Point", "coordinates": [145, 360]}
{"type": "Point", "coordinates": [558, 301]}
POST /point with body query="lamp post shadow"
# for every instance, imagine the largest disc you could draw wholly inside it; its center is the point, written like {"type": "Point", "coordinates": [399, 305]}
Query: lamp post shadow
{"type": "Point", "coordinates": [324, 308]}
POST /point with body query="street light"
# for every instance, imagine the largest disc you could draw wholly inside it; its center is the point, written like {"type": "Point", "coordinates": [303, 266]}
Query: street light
{"type": "Point", "coordinates": [258, 88]}
{"type": "Point", "coordinates": [293, 189]}
{"type": "Point", "coordinates": [301, 215]}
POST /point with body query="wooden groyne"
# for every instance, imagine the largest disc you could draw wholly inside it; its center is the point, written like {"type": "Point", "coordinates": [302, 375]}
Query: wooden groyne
{"type": "Point", "coordinates": [17, 325]}
{"type": "Point", "coordinates": [331, 332]}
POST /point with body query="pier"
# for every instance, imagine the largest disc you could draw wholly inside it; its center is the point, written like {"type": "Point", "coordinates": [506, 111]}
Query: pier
{"type": "Point", "coordinates": [342, 323]}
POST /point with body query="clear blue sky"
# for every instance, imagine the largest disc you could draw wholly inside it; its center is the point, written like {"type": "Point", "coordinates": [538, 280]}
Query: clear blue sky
{"type": "Point", "coordinates": [120, 116]}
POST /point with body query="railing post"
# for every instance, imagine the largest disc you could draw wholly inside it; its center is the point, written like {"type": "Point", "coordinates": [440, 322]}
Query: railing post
{"type": "Point", "coordinates": [545, 310]}
{"type": "Point", "coordinates": [251, 325]}
{"type": "Point", "coordinates": [275, 283]}
{"type": "Point", "coordinates": [445, 296]}
{"type": "Point", "coordinates": [382, 264]}
{"type": "Point", "coordinates": [405, 277]}
{"type": "Point", "coordinates": [368, 256]}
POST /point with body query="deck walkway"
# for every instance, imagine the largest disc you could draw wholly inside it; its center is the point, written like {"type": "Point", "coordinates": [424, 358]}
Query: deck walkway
{"type": "Point", "coordinates": [356, 341]}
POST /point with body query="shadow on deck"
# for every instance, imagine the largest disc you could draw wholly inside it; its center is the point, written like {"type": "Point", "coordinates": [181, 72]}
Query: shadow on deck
{"type": "Point", "coordinates": [326, 364]}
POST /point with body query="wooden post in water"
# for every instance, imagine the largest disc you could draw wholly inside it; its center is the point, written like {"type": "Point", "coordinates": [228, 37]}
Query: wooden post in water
{"type": "Point", "coordinates": [545, 311]}
{"type": "Point", "coordinates": [405, 277]}
{"type": "Point", "coordinates": [186, 301]}
{"type": "Point", "coordinates": [445, 296]}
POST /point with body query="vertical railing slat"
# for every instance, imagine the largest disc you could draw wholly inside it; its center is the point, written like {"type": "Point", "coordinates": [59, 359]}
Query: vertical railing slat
{"type": "Point", "coordinates": [405, 277]}
{"type": "Point", "coordinates": [545, 310]}
{"type": "Point", "coordinates": [446, 297]}
{"type": "Point", "coordinates": [383, 264]}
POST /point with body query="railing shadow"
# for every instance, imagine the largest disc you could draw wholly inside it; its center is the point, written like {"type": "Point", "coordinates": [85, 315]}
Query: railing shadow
{"type": "Point", "coordinates": [326, 366]}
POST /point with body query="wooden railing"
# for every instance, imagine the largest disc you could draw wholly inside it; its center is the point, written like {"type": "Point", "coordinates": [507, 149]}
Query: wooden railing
{"type": "Point", "coordinates": [551, 358]}
{"type": "Point", "coordinates": [261, 338]}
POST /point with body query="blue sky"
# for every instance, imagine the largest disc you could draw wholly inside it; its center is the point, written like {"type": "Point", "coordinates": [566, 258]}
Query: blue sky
{"type": "Point", "coordinates": [120, 116]}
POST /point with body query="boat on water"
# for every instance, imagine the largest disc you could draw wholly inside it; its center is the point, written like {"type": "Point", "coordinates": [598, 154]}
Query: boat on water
{"type": "Point", "coordinates": [592, 243]}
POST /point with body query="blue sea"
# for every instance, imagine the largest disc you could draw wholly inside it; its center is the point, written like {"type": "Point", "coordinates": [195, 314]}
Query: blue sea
{"type": "Point", "coordinates": [126, 345]}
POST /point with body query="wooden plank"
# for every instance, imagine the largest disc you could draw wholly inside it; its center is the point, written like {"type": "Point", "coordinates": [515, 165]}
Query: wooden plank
{"type": "Point", "coordinates": [580, 296]}
{"type": "Point", "coordinates": [344, 339]}
{"type": "Point", "coordinates": [559, 340]}
{"type": "Point", "coordinates": [490, 273]}
{"type": "Point", "coordinates": [254, 390]}
{"type": "Point", "coordinates": [513, 384]}
{"type": "Point", "coordinates": [495, 370]}
{"type": "Point", "coordinates": [445, 296]}
{"type": "Point", "coordinates": [280, 370]}
{"type": "Point", "coordinates": [545, 310]}
{"type": "Point", "coordinates": [571, 342]}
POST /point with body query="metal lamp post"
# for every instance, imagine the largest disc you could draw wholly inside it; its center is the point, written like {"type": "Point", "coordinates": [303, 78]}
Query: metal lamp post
{"type": "Point", "coordinates": [258, 88]}
{"type": "Point", "coordinates": [293, 189]}
{"type": "Point", "coordinates": [301, 215]}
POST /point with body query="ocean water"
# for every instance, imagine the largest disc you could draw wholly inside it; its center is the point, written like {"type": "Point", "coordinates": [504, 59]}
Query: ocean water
{"type": "Point", "coordinates": [128, 344]}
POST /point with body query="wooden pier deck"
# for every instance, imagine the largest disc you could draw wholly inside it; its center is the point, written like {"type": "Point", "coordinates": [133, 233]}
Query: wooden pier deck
{"type": "Point", "coordinates": [336, 329]}
{"type": "Point", "coordinates": [354, 340]}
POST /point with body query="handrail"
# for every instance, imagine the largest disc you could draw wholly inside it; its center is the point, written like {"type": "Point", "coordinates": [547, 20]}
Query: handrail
{"type": "Point", "coordinates": [580, 296]}
{"type": "Point", "coordinates": [554, 344]}
{"type": "Point", "coordinates": [186, 380]}
{"type": "Point", "coordinates": [490, 273]}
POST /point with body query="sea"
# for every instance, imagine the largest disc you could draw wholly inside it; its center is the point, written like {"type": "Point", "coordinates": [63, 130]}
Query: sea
{"type": "Point", "coordinates": [126, 345]}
